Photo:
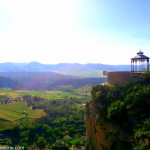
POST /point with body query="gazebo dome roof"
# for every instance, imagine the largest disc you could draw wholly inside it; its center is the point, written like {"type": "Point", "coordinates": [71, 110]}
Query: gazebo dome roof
{"type": "Point", "coordinates": [140, 56]}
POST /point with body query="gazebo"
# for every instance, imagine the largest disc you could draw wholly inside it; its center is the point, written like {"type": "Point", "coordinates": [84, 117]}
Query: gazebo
{"type": "Point", "coordinates": [138, 62]}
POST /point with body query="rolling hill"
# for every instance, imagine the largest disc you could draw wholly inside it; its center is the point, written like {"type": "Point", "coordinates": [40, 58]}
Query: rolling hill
{"type": "Point", "coordinates": [62, 67]}
{"type": "Point", "coordinates": [37, 76]}
{"type": "Point", "coordinates": [43, 80]}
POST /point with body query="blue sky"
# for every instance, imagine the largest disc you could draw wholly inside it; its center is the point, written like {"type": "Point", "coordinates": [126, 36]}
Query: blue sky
{"type": "Point", "coordinates": [74, 31]}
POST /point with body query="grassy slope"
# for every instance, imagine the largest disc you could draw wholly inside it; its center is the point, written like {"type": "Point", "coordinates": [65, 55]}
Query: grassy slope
{"type": "Point", "coordinates": [15, 111]}
{"type": "Point", "coordinates": [43, 94]}
{"type": "Point", "coordinates": [9, 114]}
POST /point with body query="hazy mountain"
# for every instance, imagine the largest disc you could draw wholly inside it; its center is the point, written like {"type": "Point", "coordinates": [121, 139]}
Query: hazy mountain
{"type": "Point", "coordinates": [30, 80]}
{"type": "Point", "coordinates": [66, 67]}
{"type": "Point", "coordinates": [43, 80]}
{"type": "Point", "coordinates": [77, 82]}
{"type": "Point", "coordinates": [6, 82]}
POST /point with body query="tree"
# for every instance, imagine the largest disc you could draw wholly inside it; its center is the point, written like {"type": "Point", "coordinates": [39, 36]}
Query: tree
{"type": "Point", "coordinates": [138, 103]}
{"type": "Point", "coordinates": [142, 135]}
{"type": "Point", "coordinates": [60, 146]}
{"type": "Point", "coordinates": [117, 112]}
{"type": "Point", "coordinates": [41, 143]}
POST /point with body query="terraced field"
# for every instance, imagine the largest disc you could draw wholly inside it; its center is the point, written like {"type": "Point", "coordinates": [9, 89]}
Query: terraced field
{"type": "Point", "coordinates": [43, 94]}
{"type": "Point", "coordinates": [17, 110]}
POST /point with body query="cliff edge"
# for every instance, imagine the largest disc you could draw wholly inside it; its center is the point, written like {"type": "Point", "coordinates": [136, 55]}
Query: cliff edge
{"type": "Point", "coordinates": [117, 117]}
{"type": "Point", "coordinates": [101, 134]}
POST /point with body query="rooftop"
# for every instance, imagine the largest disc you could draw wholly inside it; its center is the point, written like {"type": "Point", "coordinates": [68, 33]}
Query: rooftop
{"type": "Point", "coordinates": [140, 56]}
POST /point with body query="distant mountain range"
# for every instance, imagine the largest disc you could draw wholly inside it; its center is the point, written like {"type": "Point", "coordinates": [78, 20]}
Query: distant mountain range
{"type": "Point", "coordinates": [63, 68]}
{"type": "Point", "coordinates": [35, 75]}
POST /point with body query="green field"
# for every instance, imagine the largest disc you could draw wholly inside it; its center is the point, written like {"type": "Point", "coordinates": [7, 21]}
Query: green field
{"type": "Point", "coordinates": [43, 94]}
{"type": "Point", "coordinates": [7, 114]}
{"type": "Point", "coordinates": [17, 110]}
{"type": "Point", "coordinates": [19, 114]}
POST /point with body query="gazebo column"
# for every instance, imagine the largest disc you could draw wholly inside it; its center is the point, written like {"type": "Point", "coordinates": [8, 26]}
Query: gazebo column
{"type": "Point", "coordinates": [135, 65]}
{"type": "Point", "coordinates": [147, 64]}
{"type": "Point", "coordinates": [140, 69]}
{"type": "Point", "coordinates": [131, 65]}
{"type": "Point", "coordinates": [140, 65]}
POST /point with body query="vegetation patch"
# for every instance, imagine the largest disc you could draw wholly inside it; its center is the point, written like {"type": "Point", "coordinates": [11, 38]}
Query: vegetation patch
{"type": "Point", "coordinates": [5, 93]}
{"type": "Point", "coordinates": [17, 110]}
{"type": "Point", "coordinates": [77, 142]}
{"type": "Point", "coordinates": [126, 107]}
{"type": "Point", "coordinates": [41, 119]}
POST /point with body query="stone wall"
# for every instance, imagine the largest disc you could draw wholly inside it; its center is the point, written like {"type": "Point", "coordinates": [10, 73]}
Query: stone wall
{"type": "Point", "coordinates": [123, 77]}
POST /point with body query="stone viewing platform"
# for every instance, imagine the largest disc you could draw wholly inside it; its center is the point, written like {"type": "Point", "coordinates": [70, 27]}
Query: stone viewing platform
{"type": "Point", "coordinates": [123, 77]}
{"type": "Point", "coordinates": [139, 64]}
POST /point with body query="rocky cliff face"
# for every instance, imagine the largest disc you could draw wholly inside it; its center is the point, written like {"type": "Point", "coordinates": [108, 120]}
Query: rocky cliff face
{"type": "Point", "coordinates": [118, 118]}
{"type": "Point", "coordinates": [101, 134]}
